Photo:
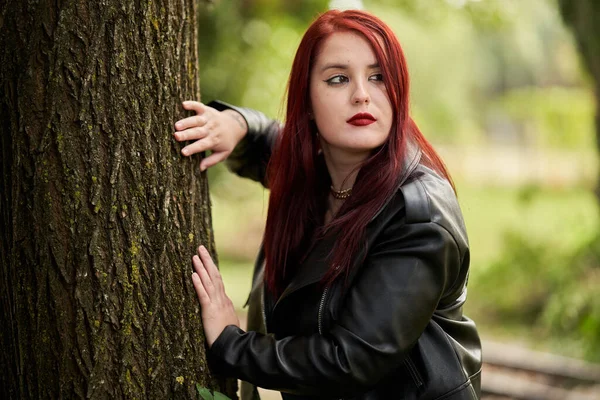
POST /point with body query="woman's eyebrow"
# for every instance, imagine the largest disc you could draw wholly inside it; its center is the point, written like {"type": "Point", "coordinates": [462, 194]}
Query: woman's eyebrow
{"type": "Point", "coordinates": [333, 66]}
{"type": "Point", "coordinates": [345, 66]}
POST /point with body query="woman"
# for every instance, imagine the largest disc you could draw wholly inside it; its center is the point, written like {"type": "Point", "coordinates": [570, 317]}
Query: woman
{"type": "Point", "coordinates": [359, 286]}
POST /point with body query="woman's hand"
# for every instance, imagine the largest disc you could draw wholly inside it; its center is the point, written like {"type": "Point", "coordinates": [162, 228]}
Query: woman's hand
{"type": "Point", "coordinates": [217, 308]}
{"type": "Point", "coordinates": [217, 131]}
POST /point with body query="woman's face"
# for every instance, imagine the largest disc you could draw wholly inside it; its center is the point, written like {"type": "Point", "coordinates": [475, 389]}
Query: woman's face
{"type": "Point", "coordinates": [349, 101]}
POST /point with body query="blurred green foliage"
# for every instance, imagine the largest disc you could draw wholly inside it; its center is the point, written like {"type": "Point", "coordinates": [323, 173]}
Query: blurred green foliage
{"type": "Point", "coordinates": [477, 68]}
{"type": "Point", "coordinates": [557, 117]}
{"type": "Point", "coordinates": [246, 49]}
{"type": "Point", "coordinates": [553, 292]}
{"type": "Point", "coordinates": [535, 266]}
{"type": "Point", "coordinates": [483, 73]}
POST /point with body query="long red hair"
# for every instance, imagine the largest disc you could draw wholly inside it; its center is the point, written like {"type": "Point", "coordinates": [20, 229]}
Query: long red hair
{"type": "Point", "coordinates": [297, 175]}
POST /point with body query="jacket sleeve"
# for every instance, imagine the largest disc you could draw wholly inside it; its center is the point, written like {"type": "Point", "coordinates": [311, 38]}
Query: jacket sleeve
{"type": "Point", "coordinates": [250, 157]}
{"type": "Point", "coordinates": [385, 311]}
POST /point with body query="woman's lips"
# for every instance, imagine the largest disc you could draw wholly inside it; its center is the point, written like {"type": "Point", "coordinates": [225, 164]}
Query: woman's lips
{"type": "Point", "coordinates": [361, 122]}
{"type": "Point", "coordinates": [361, 119]}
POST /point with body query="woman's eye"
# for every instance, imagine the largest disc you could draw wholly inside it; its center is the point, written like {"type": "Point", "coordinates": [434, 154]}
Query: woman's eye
{"type": "Point", "coordinates": [336, 80]}
{"type": "Point", "coordinates": [376, 77]}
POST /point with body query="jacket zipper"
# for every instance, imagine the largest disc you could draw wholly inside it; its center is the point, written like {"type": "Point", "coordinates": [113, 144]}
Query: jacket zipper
{"type": "Point", "coordinates": [412, 370]}
{"type": "Point", "coordinates": [321, 306]}
{"type": "Point", "coordinates": [264, 312]}
{"type": "Point", "coordinates": [320, 315]}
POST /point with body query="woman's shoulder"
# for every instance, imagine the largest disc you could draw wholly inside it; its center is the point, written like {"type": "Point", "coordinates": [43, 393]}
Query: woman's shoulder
{"type": "Point", "coordinates": [427, 197]}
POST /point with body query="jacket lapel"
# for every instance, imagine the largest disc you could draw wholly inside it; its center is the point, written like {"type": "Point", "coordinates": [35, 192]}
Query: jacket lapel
{"type": "Point", "coordinates": [314, 267]}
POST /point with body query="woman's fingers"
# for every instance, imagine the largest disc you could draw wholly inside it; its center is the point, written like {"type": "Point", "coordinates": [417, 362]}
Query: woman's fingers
{"type": "Point", "coordinates": [211, 268]}
{"type": "Point", "coordinates": [190, 122]}
{"type": "Point", "coordinates": [198, 146]}
{"type": "Point", "coordinates": [207, 283]}
{"type": "Point", "coordinates": [213, 159]}
{"type": "Point", "coordinates": [217, 309]}
{"type": "Point", "coordinates": [194, 106]}
{"type": "Point", "coordinates": [197, 263]}
{"type": "Point", "coordinates": [195, 133]}
{"type": "Point", "coordinates": [200, 291]}
{"type": "Point", "coordinates": [209, 130]}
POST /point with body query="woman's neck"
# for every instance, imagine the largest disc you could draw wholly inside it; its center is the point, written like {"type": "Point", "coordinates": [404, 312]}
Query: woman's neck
{"type": "Point", "coordinates": [333, 206]}
{"type": "Point", "coordinates": [342, 170]}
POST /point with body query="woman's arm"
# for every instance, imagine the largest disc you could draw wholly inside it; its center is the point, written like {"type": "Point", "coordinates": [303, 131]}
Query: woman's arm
{"type": "Point", "coordinates": [242, 136]}
{"type": "Point", "coordinates": [385, 312]}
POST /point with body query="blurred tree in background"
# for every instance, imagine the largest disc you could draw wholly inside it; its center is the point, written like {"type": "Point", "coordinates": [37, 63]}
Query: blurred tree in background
{"type": "Point", "coordinates": [583, 17]}
{"type": "Point", "coordinates": [499, 89]}
{"type": "Point", "coordinates": [583, 304]}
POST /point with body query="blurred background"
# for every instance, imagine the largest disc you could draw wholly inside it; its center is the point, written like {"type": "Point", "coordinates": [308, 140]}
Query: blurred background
{"type": "Point", "coordinates": [500, 89]}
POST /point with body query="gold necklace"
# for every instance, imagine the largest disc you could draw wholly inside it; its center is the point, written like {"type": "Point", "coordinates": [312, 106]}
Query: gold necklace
{"type": "Point", "coordinates": [341, 194]}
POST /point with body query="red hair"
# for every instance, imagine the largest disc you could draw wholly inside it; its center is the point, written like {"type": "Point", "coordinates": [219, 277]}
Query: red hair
{"type": "Point", "coordinates": [297, 175]}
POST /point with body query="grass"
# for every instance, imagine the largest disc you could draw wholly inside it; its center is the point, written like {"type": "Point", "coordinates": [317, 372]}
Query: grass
{"type": "Point", "coordinates": [559, 217]}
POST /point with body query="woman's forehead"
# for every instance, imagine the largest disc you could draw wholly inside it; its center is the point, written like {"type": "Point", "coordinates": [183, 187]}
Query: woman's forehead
{"type": "Point", "coordinates": [345, 48]}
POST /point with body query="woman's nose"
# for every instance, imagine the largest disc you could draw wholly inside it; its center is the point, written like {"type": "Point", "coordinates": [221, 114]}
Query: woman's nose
{"type": "Point", "coordinates": [361, 95]}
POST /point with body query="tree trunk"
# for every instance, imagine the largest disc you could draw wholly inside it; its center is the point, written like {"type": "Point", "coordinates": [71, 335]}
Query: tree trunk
{"type": "Point", "coordinates": [583, 17]}
{"type": "Point", "coordinates": [99, 213]}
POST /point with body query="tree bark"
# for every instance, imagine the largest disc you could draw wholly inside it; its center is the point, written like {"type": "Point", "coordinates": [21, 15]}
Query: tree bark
{"type": "Point", "coordinates": [583, 17]}
{"type": "Point", "coordinates": [99, 213]}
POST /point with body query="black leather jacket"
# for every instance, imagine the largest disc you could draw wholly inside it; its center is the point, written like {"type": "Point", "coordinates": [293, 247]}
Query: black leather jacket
{"type": "Point", "coordinates": [395, 331]}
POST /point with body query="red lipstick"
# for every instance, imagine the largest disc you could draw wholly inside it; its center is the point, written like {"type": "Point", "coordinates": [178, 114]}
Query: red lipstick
{"type": "Point", "coordinates": [362, 119]}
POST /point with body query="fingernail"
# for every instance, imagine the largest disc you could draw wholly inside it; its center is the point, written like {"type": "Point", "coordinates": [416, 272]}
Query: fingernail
{"type": "Point", "coordinates": [202, 168]}
{"type": "Point", "coordinates": [178, 125]}
{"type": "Point", "coordinates": [185, 152]}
